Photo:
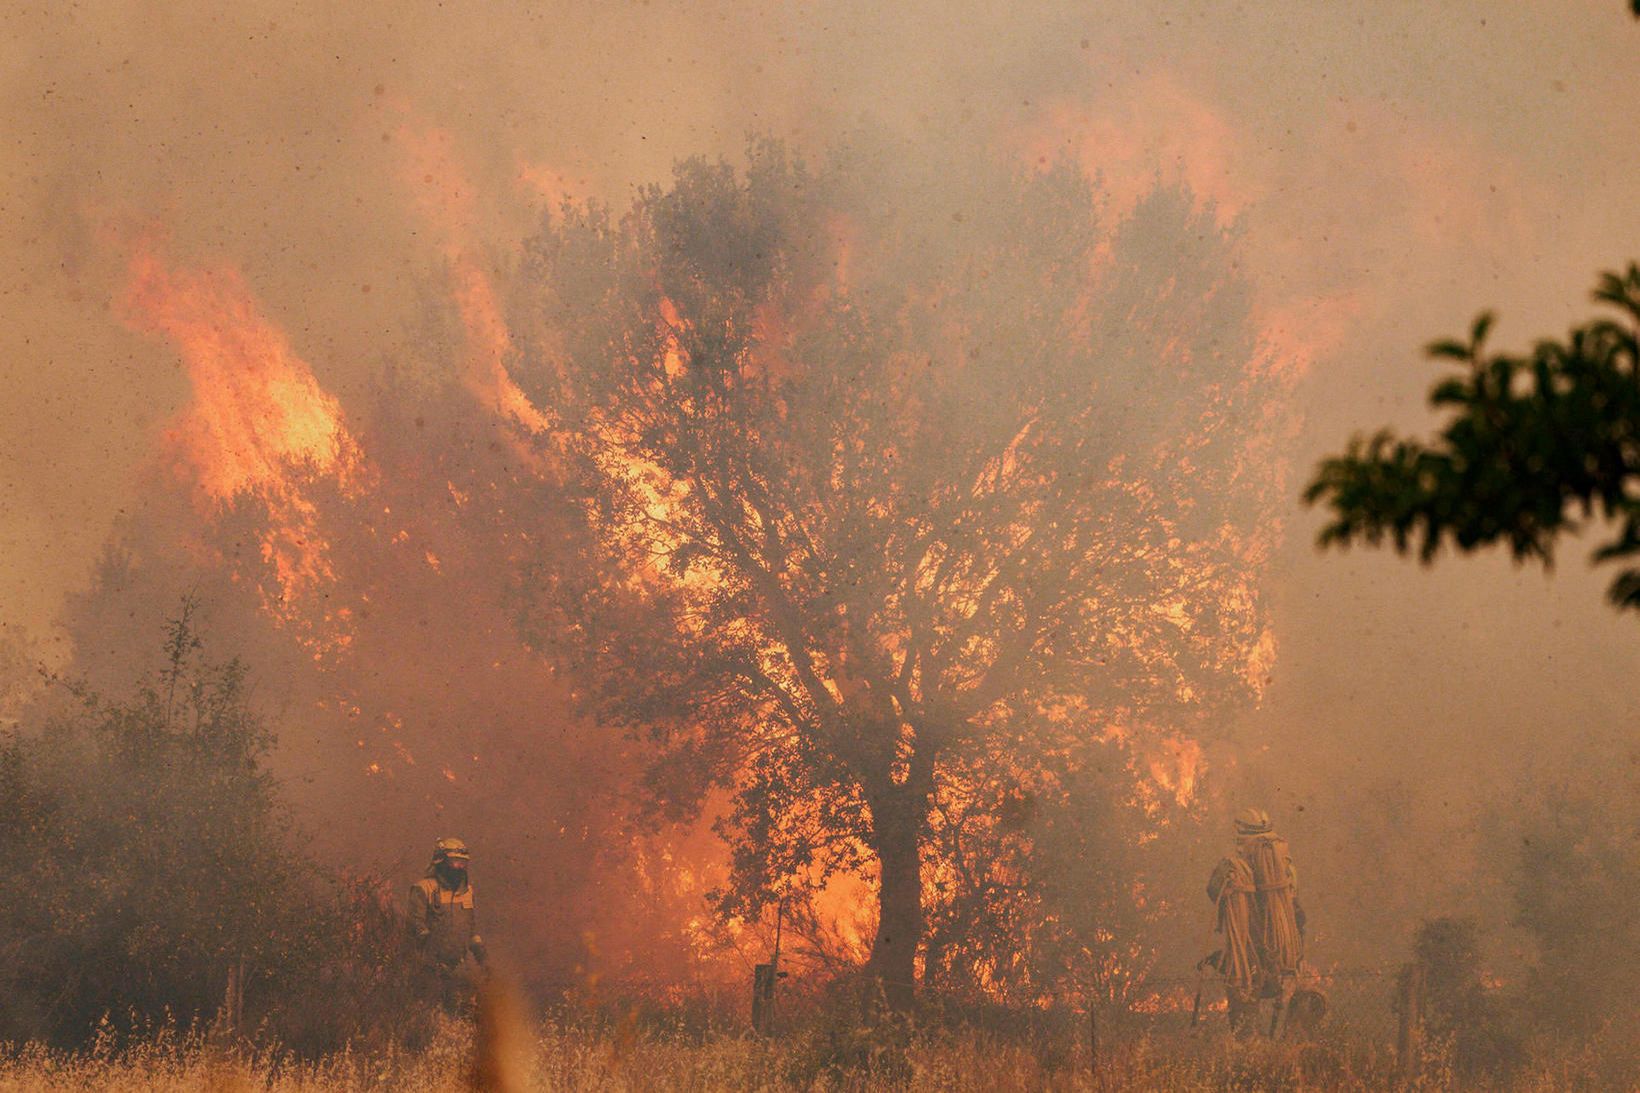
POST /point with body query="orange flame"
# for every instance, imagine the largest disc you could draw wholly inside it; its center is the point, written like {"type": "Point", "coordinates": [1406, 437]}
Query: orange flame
{"type": "Point", "coordinates": [444, 198]}
{"type": "Point", "coordinates": [257, 408]}
{"type": "Point", "coordinates": [1177, 766]}
{"type": "Point", "coordinates": [258, 421]}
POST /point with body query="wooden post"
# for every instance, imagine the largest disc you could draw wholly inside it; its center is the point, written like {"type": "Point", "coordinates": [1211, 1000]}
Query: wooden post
{"type": "Point", "coordinates": [775, 974]}
{"type": "Point", "coordinates": [1409, 1043]}
{"type": "Point", "coordinates": [762, 995]}
{"type": "Point", "coordinates": [230, 1016]}
{"type": "Point", "coordinates": [1093, 1041]}
{"type": "Point", "coordinates": [764, 979]}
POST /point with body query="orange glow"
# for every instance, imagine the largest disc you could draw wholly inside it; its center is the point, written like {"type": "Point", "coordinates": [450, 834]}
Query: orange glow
{"type": "Point", "coordinates": [259, 422]}
{"type": "Point", "coordinates": [488, 344]}
{"type": "Point", "coordinates": [1158, 128]}
{"type": "Point", "coordinates": [672, 326]}
{"type": "Point", "coordinates": [444, 199]}
{"type": "Point", "coordinates": [1261, 661]}
{"type": "Point", "coordinates": [544, 182]}
{"type": "Point", "coordinates": [847, 908]}
{"type": "Point", "coordinates": [1295, 335]}
{"type": "Point", "coordinates": [1176, 767]}
{"type": "Point", "coordinates": [257, 408]}
{"type": "Point", "coordinates": [1172, 1000]}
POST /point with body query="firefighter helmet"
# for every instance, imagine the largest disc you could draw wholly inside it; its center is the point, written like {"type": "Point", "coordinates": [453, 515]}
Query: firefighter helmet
{"type": "Point", "coordinates": [450, 849]}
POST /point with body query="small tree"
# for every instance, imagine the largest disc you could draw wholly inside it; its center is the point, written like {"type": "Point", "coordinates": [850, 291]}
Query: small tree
{"type": "Point", "coordinates": [1459, 1013]}
{"type": "Point", "coordinates": [143, 854]}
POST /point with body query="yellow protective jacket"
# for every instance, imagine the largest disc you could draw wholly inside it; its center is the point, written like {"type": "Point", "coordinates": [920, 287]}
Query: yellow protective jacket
{"type": "Point", "coordinates": [443, 923]}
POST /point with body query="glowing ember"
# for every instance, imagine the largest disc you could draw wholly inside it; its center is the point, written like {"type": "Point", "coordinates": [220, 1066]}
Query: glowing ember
{"type": "Point", "coordinates": [1176, 767]}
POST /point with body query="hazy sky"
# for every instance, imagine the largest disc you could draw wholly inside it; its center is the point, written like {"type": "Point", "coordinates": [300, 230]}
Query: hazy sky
{"type": "Point", "coordinates": [1419, 159]}
{"type": "Point", "coordinates": [1397, 166]}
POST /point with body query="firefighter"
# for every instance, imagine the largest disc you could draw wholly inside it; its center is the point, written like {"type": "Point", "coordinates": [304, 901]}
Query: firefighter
{"type": "Point", "coordinates": [1257, 915]}
{"type": "Point", "coordinates": [444, 928]}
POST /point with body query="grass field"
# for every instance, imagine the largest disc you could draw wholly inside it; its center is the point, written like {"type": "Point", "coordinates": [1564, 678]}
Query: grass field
{"type": "Point", "coordinates": [509, 1054]}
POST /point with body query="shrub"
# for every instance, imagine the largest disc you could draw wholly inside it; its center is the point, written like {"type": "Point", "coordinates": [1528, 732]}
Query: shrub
{"type": "Point", "coordinates": [146, 862]}
{"type": "Point", "coordinates": [1461, 1015]}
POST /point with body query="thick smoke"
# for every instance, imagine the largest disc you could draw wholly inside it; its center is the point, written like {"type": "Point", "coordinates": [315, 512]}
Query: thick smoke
{"type": "Point", "coordinates": [1391, 169]}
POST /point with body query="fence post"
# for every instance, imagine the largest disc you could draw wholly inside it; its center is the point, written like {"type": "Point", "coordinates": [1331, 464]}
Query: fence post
{"type": "Point", "coordinates": [1410, 1041]}
{"type": "Point", "coordinates": [1093, 1041]}
{"type": "Point", "coordinates": [230, 1015]}
{"type": "Point", "coordinates": [762, 996]}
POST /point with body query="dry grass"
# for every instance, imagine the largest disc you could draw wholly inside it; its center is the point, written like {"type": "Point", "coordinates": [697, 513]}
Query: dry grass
{"type": "Point", "coordinates": [517, 1055]}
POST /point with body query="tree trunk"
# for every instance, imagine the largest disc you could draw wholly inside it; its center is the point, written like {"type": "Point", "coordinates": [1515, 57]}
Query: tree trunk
{"type": "Point", "coordinates": [897, 840]}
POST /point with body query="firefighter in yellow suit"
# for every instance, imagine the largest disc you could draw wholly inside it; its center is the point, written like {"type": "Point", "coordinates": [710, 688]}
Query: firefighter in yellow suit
{"type": "Point", "coordinates": [1255, 895]}
{"type": "Point", "coordinates": [444, 928]}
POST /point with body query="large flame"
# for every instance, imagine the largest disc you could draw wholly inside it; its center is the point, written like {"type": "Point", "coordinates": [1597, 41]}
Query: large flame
{"type": "Point", "coordinates": [444, 198]}
{"type": "Point", "coordinates": [259, 424]}
{"type": "Point", "coordinates": [258, 411]}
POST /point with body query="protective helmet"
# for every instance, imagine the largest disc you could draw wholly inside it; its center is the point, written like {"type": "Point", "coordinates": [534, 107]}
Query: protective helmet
{"type": "Point", "coordinates": [450, 849]}
{"type": "Point", "coordinates": [1252, 821]}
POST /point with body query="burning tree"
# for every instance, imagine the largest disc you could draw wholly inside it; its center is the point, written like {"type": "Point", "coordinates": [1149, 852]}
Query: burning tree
{"type": "Point", "coordinates": [918, 498]}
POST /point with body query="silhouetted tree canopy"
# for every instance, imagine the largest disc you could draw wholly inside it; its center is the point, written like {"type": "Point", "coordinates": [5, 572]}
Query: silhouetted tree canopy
{"type": "Point", "coordinates": [1536, 445]}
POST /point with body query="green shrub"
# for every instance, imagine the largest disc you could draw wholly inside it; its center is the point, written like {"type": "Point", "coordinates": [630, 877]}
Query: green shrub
{"type": "Point", "coordinates": [145, 859]}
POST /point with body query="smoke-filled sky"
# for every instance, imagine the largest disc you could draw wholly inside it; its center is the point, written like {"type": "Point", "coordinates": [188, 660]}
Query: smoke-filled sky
{"type": "Point", "coordinates": [1395, 167]}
